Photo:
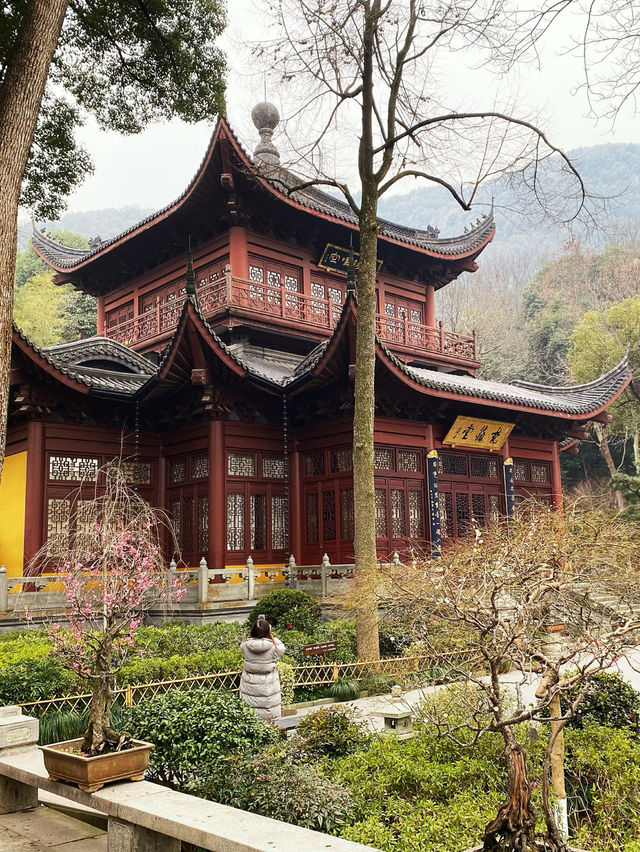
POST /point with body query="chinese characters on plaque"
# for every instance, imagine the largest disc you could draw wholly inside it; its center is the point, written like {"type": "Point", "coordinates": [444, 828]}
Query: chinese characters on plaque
{"type": "Point", "coordinates": [337, 258]}
{"type": "Point", "coordinates": [479, 433]}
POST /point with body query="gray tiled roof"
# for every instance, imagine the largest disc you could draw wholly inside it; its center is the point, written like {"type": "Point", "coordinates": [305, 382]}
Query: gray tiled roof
{"type": "Point", "coordinates": [65, 257]}
{"type": "Point", "coordinates": [68, 359]}
{"type": "Point", "coordinates": [576, 399]}
{"type": "Point", "coordinates": [314, 198]}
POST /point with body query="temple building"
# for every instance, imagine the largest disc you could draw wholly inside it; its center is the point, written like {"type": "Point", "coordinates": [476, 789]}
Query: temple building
{"type": "Point", "coordinates": [222, 374]}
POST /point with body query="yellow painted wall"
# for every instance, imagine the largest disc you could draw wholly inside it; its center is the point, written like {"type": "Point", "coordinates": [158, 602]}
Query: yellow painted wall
{"type": "Point", "coordinates": [13, 489]}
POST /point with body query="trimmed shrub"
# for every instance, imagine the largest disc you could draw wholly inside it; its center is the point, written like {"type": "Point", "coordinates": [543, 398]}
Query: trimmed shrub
{"type": "Point", "coordinates": [331, 732]}
{"type": "Point", "coordinates": [610, 701]}
{"type": "Point", "coordinates": [192, 729]}
{"type": "Point", "coordinates": [272, 785]}
{"type": "Point", "coordinates": [288, 607]}
{"type": "Point", "coordinates": [287, 679]}
{"type": "Point", "coordinates": [33, 679]}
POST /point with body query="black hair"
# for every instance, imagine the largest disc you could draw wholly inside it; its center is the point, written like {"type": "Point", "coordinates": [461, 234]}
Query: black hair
{"type": "Point", "coordinates": [261, 629]}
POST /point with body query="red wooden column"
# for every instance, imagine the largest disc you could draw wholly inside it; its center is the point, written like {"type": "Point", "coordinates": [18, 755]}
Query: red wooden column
{"type": "Point", "coordinates": [36, 477]}
{"type": "Point", "coordinates": [238, 252]}
{"type": "Point", "coordinates": [217, 495]}
{"type": "Point", "coordinates": [556, 478]}
{"type": "Point", "coordinates": [296, 507]}
{"type": "Point", "coordinates": [430, 318]}
{"type": "Point", "coordinates": [100, 329]}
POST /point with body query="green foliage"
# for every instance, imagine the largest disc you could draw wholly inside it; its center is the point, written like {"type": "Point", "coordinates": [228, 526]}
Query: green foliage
{"type": "Point", "coordinates": [378, 684]}
{"type": "Point", "coordinates": [288, 607]}
{"type": "Point", "coordinates": [273, 785]}
{"type": "Point", "coordinates": [345, 689]}
{"type": "Point", "coordinates": [330, 732]}
{"type": "Point", "coordinates": [34, 679]}
{"type": "Point", "coordinates": [422, 794]}
{"type": "Point", "coordinates": [192, 729]}
{"type": "Point", "coordinates": [602, 772]}
{"type": "Point", "coordinates": [28, 264]}
{"type": "Point", "coordinates": [127, 63]}
{"type": "Point", "coordinates": [611, 701]}
{"type": "Point", "coordinates": [187, 638]}
{"type": "Point", "coordinates": [37, 309]}
{"type": "Point", "coordinates": [152, 669]}
{"type": "Point", "coordinates": [287, 679]}
{"type": "Point", "coordinates": [58, 726]}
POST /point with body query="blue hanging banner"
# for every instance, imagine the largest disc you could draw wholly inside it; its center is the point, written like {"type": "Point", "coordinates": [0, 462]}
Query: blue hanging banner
{"type": "Point", "coordinates": [434, 503]}
{"type": "Point", "coordinates": [509, 489]}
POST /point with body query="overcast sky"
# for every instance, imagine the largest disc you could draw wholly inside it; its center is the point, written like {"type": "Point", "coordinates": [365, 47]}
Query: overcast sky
{"type": "Point", "coordinates": [153, 168]}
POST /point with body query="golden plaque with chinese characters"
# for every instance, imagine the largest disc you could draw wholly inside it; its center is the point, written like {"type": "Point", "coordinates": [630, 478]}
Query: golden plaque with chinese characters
{"type": "Point", "coordinates": [478, 432]}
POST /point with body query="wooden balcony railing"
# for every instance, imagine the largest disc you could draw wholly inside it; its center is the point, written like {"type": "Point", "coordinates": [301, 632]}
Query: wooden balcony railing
{"type": "Point", "coordinates": [290, 308]}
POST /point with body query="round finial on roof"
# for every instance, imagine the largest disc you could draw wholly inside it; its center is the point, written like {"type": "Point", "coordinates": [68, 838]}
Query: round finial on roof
{"type": "Point", "coordinates": [265, 116]}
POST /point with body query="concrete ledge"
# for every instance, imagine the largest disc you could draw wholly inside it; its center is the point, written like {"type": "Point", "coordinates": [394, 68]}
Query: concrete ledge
{"type": "Point", "coordinates": [215, 827]}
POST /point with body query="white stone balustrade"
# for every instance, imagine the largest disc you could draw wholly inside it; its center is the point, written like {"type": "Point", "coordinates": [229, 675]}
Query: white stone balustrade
{"type": "Point", "coordinates": [145, 816]}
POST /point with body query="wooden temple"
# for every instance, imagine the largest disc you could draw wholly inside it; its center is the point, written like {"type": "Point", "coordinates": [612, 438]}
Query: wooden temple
{"type": "Point", "coordinates": [223, 377]}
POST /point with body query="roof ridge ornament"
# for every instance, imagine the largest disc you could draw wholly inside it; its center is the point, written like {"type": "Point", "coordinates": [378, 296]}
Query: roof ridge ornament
{"type": "Point", "coordinates": [266, 117]}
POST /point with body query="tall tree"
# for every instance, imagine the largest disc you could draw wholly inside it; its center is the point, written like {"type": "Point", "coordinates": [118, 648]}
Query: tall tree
{"type": "Point", "coordinates": [129, 62]}
{"type": "Point", "coordinates": [367, 69]}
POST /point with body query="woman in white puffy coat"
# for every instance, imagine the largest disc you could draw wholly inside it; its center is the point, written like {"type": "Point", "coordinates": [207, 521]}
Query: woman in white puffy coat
{"type": "Point", "coordinates": [260, 681]}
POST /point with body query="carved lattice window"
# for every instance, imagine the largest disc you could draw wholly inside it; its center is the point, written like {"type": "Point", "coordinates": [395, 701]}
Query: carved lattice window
{"type": "Point", "coordinates": [279, 521]}
{"type": "Point", "coordinates": [58, 516]}
{"type": "Point", "coordinates": [314, 464]}
{"type": "Point", "coordinates": [273, 278]}
{"type": "Point", "coordinates": [416, 316]}
{"type": "Point", "coordinates": [291, 283]}
{"type": "Point", "coordinates": [273, 466]}
{"type": "Point", "coordinates": [328, 516]}
{"type": "Point", "coordinates": [258, 522]}
{"type": "Point", "coordinates": [199, 466]}
{"type": "Point", "coordinates": [73, 468]}
{"type": "Point", "coordinates": [335, 295]}
{"type": "Point", "coordinates": [494, 508]}
{"type": "Point", "coordinates": [398, 514]}
{"type": "Point", "coordinates": [177, 470]}
{"type": "Point", "coordinates": [390, 309]}
{"type": "Point", "coordinates": [174, 518]}
{"type": "Point", "coordinates": [383, 458]}
{"type": "Point", "coordinates": [137, 472]}
{"type": "Point", "coordinates": [540, 472]}
{"type": "Point", "coordinates": [188, 540]}
{"type": "Point", "coordinates": [85, 523]}
{"type": "Point", "coordinates": [452, 463]}
{"type": "Point", "coordinates": [416, 514]}
{"type": "Point", "coordinates": [241, 464]}
{"type": "Point", "coordinates": [235, 521]}
{"type": "Point", "coordinates": [520, 470]}
{"type": "Point", "coordinates": [311, 518]}
{"type": "Point", "coordinates": [446, 514]}
{"type": "Point", "coordinates": [478, 509]}
{"type": "Point", "coordinates": [341, 461]}
{"type": "Point", "coordinates": [483, 466]}
{"type": "Point", "coordinates": [381, 513]}
{"type": "Point", "coordinates": [203, 523]}
{"type": "Point", "coordinates": [463, 514]}
{"type": "Point", "coordinates": [256, 274]}
{"type": "Point", "coordinates": [317, 290]}
{"type": "Point", "coordinates": [346, 513]}
{"type": "Point", "coordinates": [409, 461]}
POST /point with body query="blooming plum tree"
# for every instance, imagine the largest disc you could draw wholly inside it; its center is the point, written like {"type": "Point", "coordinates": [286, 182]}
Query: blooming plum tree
{"type": "Point", "coordinates": [111, 560]}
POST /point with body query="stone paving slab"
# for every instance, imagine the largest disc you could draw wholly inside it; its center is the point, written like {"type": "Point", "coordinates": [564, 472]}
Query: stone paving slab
{"type": "Point", "coordinates": [44, 830]}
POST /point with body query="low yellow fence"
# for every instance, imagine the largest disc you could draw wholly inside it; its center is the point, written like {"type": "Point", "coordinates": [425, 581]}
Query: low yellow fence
{"type": "Point", "coordinates": [432, 667]}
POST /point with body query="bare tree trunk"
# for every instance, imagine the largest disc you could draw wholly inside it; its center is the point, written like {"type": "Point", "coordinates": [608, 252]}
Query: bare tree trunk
{"type": "Point", "coordinates": [603, 442]}
{"type": "Point", "coordinates": [363, 425]}
{"type": "Point", "coordinates": [20, 100]}
{"type": "Point", "coordinates": [514, 826]}
{"type": "Point", "coordinates": [364, 543]}
{"type": "Point", "coordinates": [636, 450]}
{"type": "Point", "coordinates": [556, 823]}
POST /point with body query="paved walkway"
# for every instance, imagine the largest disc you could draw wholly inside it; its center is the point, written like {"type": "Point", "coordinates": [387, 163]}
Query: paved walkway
{"type": "Point", "coordinates": [44, 830]}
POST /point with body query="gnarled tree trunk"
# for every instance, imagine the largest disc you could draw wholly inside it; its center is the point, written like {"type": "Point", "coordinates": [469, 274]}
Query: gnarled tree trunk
{"type": "Point", "coordinates": [20, 100]}
{"type": "Point", "coordinates": [514, 826]}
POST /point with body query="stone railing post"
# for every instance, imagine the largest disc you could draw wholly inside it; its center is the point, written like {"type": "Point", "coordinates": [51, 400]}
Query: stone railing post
{"type": "Point", "coordinates": [395, 559]}
{"type": "Point", "coordinates": [203, 582]}
{"type": "Point", "coordinates": [251, 579]}
{"type": "Point", "coordinates": [324, 576]}
{"type": "Point", "coordinates": [4, 590]}
{"type": "Point", "coordinates": [292, 572]}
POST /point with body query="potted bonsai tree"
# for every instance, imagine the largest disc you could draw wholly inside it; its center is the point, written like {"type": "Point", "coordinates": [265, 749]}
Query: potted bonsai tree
{"type": "Point", "coordinates": [113, 566]}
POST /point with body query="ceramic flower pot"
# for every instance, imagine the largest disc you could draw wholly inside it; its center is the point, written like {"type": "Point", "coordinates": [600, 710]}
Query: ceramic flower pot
{"type": "Point", "coordinates": [63, 763]}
